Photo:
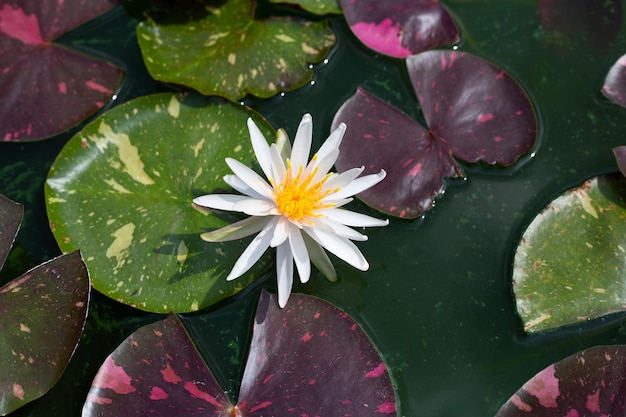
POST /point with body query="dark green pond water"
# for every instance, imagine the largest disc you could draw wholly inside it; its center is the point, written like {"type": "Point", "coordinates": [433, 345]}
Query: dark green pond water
{"type": "Point", "coordinates": [437, 300]}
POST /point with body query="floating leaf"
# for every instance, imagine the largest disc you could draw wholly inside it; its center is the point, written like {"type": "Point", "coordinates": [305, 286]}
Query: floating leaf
{"type": "Point", "coordinates": [569, 265]}
{"type": "Point", "coordinates": [309, 358]}
{"type": "Point", "coordinates": [474, 110]}
{"type": "Point", "coordinates": [225, 51]}
{"type": "Point", "coordinates": [588, 383]}
{"type": "Point", "coordinates": [122, 189]}
{"type": "Point", "coordinates": [320, 7]}
{"type": "Point", "coordinates": [620, 156]}
{"type": "Point", "coordinates": [400, 28]}
{"type": "Point", "coordinates": [46, 87]}
{"type": "Point", "coordinates": [43, 313]}
{"type": "Point", "coordinates": [11, 215]}
{"type": "Point", "coordinates": [615, 82]}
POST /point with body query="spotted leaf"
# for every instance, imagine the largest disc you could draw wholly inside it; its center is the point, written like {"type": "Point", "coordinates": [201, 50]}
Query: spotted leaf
{"type": "Point", "coordinates": [474, 112]}
{"type": "Point", "coordinates": [569, 265]}
{"type": "Point", "coordinates": [43, 313]}
{"type": "Point", "coordinates": [588, 383]}
{"type": "Point", "coordinates": [121, 190]}
{"type": "Point", "coordinates": [48, 88]}
{"type": "Point", "coordinates": [315, 6]}
{"type": "Point", "coordinates": [400, 28]}
{"type": "Point", "coordinates": [309, 358]}
{"type": "Point", "coordinates": [615, 82]}
{"type": "Point", "coordinates": [11, 215]}
{"type": "Point", "coordinates": [225, 51]}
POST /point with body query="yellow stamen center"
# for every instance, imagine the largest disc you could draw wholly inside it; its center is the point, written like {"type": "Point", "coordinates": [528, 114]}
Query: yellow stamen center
{"type": "Point", "coordinates": [297, 198]}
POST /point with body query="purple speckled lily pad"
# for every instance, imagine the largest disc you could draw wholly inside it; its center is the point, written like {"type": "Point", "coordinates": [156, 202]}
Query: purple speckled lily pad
{"type": "Point", "coordinates": [474, 112]}
{"type": "Point", "coordinates": [620, 158]}
{"type": "Point", "coordinates": [400, 28]}
{"type": "Point", "coordinates": [615, 82]}
{"type": "Point", "coordinates": [42, 317]}
{"type": "Point", "coordinates": [306, 359]}
{"type": "Point", "coordinates": [46, 87]}
{"type": "Point", "coordinates": [588, 383]}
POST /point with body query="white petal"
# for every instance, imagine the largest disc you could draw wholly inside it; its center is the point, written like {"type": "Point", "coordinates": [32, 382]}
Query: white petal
{"type": "Point", "coordinates": [300, 254]}
{"type": "Point", "coordinates": [282, 142]}
{"type": "Point", "coordinates": [278, 165]}
{"type": "Point", "coordinates": [360, 184]}
{"type": "Point", "coordinates": [250, 177]}
{"type": "Point", "coordinates": [284, 272]}
{"type": "Point", "coordinates": [333, 141]}
{"type": "Point", "coordinates": [236, 230]}
{"type": "Point", "coordinates": [253, 252]}
{"type": "Point", "coordinates": [220, 201]}
{"type": "Point", "coordinates": [339, 229]}
{"type": "Point", "coordinates": [255, 207]}
{"type": "Point", "coordinates": [302, 144]}
{"type": "Point", "coordinates": [335, 203]}
{"type": "Point", "coordinates": [324, 165]}
{"type": "Point", "coordinates": [281, 232]}
{"type": "Point", "coordinates": [319, 258]}
{"type": "Point", "coordinates": [343, 179]}
{"type": "Point", "coordinates": [236, 183]}
{"type": "Point", "coordinates": [340, 247]}
{"type": "Point", "coordinates": [350, 218]}
{"type": "Point", "coordinates": [261, 148]}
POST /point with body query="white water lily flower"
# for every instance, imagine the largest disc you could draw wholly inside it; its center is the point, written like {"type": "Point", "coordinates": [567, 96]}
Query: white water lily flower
{"type": "Point", "coordinates": [298, 212]}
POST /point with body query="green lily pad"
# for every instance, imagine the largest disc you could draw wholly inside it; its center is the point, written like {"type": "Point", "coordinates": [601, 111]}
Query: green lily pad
{"type": "Point", "coordinates": [570, 263]}
{"type": "Point", "coordinates": [224, 51]}
{"type": "Point", "coordinates": [121, 191]}
{"type": "Point", "coordinates": [320, 7]}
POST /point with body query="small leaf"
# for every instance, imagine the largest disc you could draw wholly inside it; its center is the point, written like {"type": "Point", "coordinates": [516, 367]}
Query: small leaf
{"type": "Point", "coordinates": [474, 111]}
{"type": "Point", "coordinates": [319, 7]}
{"type": "Point", "coordinates": [615, 82]}
{"type": "Point", "coordinates": [400, 28]}
{"type": "Point", "coordinates": [588, 383]}
{"type": "Point", "coordinates": [224, 51]}
{"type": "Point", "coordinates": [43, 313]}
{"type": "Point", "coordinates": [569, 265]}
{"type": "Point", "coordinates": [306, 359]}
{"type": "Point", "coordinates": [11, 215]}
{"type": "Point", "coordinates": [121, 190]}
{"type": "Point", "coordinates": [46, 87]}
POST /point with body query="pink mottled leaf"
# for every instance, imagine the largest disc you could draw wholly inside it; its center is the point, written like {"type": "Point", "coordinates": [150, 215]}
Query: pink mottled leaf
{"type": "Point", "coordinates": [46, 87]}
{"type": "Point", "coordinates": [11, 215]}
{"type": "Point", "coordinates": [620, 156]}
{"type": "Point", "coordinates": [474, 112]}
{"type": "Point", "coordinates": [588, 383]}
{"type": "Point", "coordinates": [309, 358]}
{"type": "Point", "coordinates": [43, 313]}
{"type": "Point", "coordinates": [615, 82]}
{"type": "Point", "coordinates": [400, 28]}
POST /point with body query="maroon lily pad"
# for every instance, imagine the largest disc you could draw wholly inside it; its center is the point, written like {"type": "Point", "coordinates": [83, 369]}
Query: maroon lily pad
{"type": "Point", "coordinates": [596, 21]}
{"type": "Point", "coordinates": [43, 313]}
{"type": "Point", "coordinates": [474, 110]}
{"type": "Point", "coordinates": [309, 358]}
{"type": "Point", "coordinates": [11, 215]}
{"type": "Point", "coordinates": [588, 383]}
{"type": "Point", "coordinates": [400, 28]}
{"type": "Point", "coordinates": [615, 82]}
{"type": "Point", "coordinates": [620, 157]}
{"type": "Point", "coordinates": [46, 87]}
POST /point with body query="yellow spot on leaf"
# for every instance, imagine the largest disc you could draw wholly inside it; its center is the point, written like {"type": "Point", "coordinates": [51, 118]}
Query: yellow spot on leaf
{"type": "Point", "coordinates": [182, 252]}
{"type": "Point", "coordinates": [587, 206]}
{"type": "Point", "coordinates": [24, 328]}
{"type": "Point", "coordinates": [306, 48]}
{"type": "Point", "coordinates": [117, 186]}
{"type": "Point", "coordinates": [173, 108]}
{"type": "Point", "coordinates": [198, 147]}
{"type": "Point", "coordinates": [119, 248]}
{"type": "Point", "coordinates": [232, 58]}
{"type": "Point", "coordinates": [284, 38]}
{"type": "Point", "coordinates": [128, 154]}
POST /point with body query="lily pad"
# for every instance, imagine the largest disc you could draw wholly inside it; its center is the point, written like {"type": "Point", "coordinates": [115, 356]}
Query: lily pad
{"type": "Point", "coordinates": [48, 88]}
{"type": "Point", "coordinates": [620, 157]}
{"type": "Point", "coordinates": [569, 265]}
{"type": "Point", "coordinates": [400, 28]}
{"type": "Point", "coordinates": [11, 215]}
{"type": "Point", "coordinates": [308, 359]}
{"type": "Point", "coordinates": [43, 313]}
{"type": "Point", "coordinates": [319, 7]}
{"type": "Point", "coordinates": [474, 112]}
{"type": "Point", "coordinates": [224, 51]}
{"type": "Point", "coordinates": [121, 190]}
{"type": "Point", "coordinates": [588, 383]}
{"type": "Point", "coordinates": [615, 82]}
